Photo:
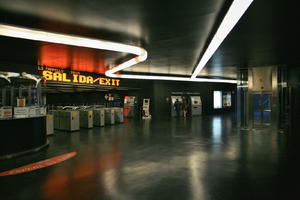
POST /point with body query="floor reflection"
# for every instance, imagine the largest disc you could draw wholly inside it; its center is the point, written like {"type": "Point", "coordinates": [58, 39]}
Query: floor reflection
{"type": "Point", "coordinates": [197, 168]}
{"type": "Point", "coordinates": [80, 177]}
{"type": "Point", "coordinates": [200, 158]}
{"type": "Point", "coordinates": [217, 129]}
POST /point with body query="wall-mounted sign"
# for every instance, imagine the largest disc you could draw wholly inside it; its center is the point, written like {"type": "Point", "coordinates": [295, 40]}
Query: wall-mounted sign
{"type": "Point", "coordinates": [60, 75]}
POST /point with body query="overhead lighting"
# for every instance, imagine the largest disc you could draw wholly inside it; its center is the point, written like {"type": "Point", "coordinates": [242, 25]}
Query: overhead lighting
{"type": "Point", "coordinates": [141, 54]}
{"type": "Point", "coordinates": [127, 64]}
{"type": "Point", "coordinates": [32, 77]}
{"type": "Point", "coordinates": [235, 12]}
{"type": "Point", "coordinates": [172, 78]}
{"type": "Point", "coordinates": [38, 35]}
{"type": "Point", "coordinates": [8, 75]}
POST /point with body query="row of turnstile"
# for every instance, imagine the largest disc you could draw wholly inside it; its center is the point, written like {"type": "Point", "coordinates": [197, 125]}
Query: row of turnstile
{"type": "Point", "coordinates": [73, 120]}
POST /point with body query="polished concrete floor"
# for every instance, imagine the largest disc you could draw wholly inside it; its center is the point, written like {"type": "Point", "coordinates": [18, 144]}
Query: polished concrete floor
{"type": "Point", "coordinates": [205, 158]}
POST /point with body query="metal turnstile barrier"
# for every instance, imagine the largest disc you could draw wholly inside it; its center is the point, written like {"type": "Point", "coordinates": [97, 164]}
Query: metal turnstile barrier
{"type": "Point", "coordinates": [49, 124]}
{"type": "Point", "coordinates": [86, 118]}
{"type": "Point", "coordinates": [119, 116]}
{"type": "Point", "coordinates": [109, 116]}
{"type": "Point", "coordinates": [99, 118]}
{"type": "Point", "coordinates": [56, 119]}
{"type": "Point", "coordinates": [66, 120]}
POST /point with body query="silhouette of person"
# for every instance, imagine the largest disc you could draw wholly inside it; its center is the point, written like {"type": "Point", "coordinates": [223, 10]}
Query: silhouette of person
{"type": "Point", "coordinates": [185, 107]}
{"type": "Point", "coordinates": [177, 107]}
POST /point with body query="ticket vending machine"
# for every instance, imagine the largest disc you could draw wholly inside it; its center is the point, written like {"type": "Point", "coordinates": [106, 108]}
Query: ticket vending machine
{"type": "Point", "coordinates": [196, 105]}
{"type": "Point", "coordinates": [146, 108]}
{"type": "Point", "coordinates": [173, 110]}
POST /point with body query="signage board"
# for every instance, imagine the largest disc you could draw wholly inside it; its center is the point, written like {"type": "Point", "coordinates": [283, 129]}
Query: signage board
{"type": "Point", "coordinates": [61, 75]}
{"type": "Point", "coordinates": [5, 112]}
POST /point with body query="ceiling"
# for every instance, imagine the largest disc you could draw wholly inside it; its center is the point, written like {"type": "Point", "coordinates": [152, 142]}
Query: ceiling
{"type": "Point", "coordinates": [175, 33]}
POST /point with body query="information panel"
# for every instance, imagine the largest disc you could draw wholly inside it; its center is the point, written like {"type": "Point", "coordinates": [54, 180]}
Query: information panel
{"type": "Point", "coordinates": [61, 75]}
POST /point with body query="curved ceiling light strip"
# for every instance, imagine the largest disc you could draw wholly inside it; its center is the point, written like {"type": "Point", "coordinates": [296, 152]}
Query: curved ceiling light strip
{"type": "Point", "coordinates": [235, 12]}
{"type": "Point", "coordinates": [38, 35]}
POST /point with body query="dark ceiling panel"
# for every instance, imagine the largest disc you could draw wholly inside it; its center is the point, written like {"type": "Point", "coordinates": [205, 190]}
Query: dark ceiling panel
{"type": "Point", "coordinates": [174, 33]}
{"type": "Point", "coordinates": [266, 35]}
{"type": "Point", "coordinates": [33, 53]}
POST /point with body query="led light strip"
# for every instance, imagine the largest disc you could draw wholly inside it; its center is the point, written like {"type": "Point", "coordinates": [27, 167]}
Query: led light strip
{"type": "Point", "coordinates": [37, 35]}
{"type": "Point", "coordinates": [234, 13]}
{"type": "Point", "coordinates": [171, 78]}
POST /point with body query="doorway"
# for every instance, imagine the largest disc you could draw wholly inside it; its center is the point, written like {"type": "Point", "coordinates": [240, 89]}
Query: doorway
{"type": "Point", "coordinates": [262, 109]}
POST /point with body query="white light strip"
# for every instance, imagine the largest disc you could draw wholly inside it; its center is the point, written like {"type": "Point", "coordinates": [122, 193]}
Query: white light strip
{"type": "Point", "coordinates": [242, 86]}
{"type": "Point", "coordinates": [171, 78]}
{"type": "Point", "coordinates": [110, 73]}
{"type": "Point", "coordinates": [37, 35]}
{"type": "Point", "coordinates": [8, 75]}
{"type": "Point", "coordinates": [235, 12]}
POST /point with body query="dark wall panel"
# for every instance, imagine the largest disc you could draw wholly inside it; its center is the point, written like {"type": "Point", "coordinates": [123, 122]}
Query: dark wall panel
{"type": "Point", "coordinates": [157, 91]}
{"type": "Point", "coordinates": [294, 84]}
{"type": "Point", "coordinates": [164, 89]}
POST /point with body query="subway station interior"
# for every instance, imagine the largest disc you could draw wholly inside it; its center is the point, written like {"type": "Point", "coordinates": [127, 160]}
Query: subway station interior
{"type": "Point", "coordinates": [149, 100]}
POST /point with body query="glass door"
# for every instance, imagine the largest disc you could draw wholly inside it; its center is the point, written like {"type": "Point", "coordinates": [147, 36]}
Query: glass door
{"type": "Point", "coordinates": [262, 109]}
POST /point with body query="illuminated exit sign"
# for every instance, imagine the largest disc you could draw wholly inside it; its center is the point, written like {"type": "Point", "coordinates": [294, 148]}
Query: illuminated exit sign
{"type": "Point", "coordinates": [59, 75]}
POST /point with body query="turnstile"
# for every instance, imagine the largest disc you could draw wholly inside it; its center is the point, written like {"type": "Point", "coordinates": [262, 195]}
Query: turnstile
{"type": "Point", "coordinates": [66, 120]}
{"type": "Point", "coordinates": [119, 117]}
{"type": "Point", "coordinates": [49, 124]}
{"type": "Point", "coordinates": [86, 118]}
{"type": "Point", "coordinates": [196, 105]}
{"type": "Point", "coordinates": [99, 118]}
{"type": "Point", "coordinates": [109, 116]}
{"type": "Point", "coordinates": [56, 119]}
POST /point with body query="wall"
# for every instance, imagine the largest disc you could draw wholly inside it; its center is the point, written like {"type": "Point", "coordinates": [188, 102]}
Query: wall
{"type": "Point", "coordinates": [157, 91]}
{"type": "Point", "coordinates": [294, 85]}
{"type": "Point", "coordinates": [164, 89]}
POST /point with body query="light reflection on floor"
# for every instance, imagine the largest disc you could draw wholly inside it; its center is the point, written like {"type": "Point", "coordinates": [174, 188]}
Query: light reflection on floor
{"type": "Point", "coordinates": [201, 158]}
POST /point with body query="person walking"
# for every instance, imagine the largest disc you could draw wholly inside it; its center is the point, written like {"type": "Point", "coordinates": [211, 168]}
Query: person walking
{"type": "Point", "coordinates": [177, 107]}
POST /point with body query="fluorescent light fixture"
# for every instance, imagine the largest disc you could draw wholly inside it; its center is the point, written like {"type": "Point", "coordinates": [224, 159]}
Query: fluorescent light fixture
{"type": "Point", "coordinates": [171, 78]}
{"type": "Point", "coordinates": [242, 86]}
{"type": "Point", "coordinates": [32, 77]}
{"type": "Point", "coordinates": [235, 12]}
{"type": "Point", "coordinates": [38, 35]}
